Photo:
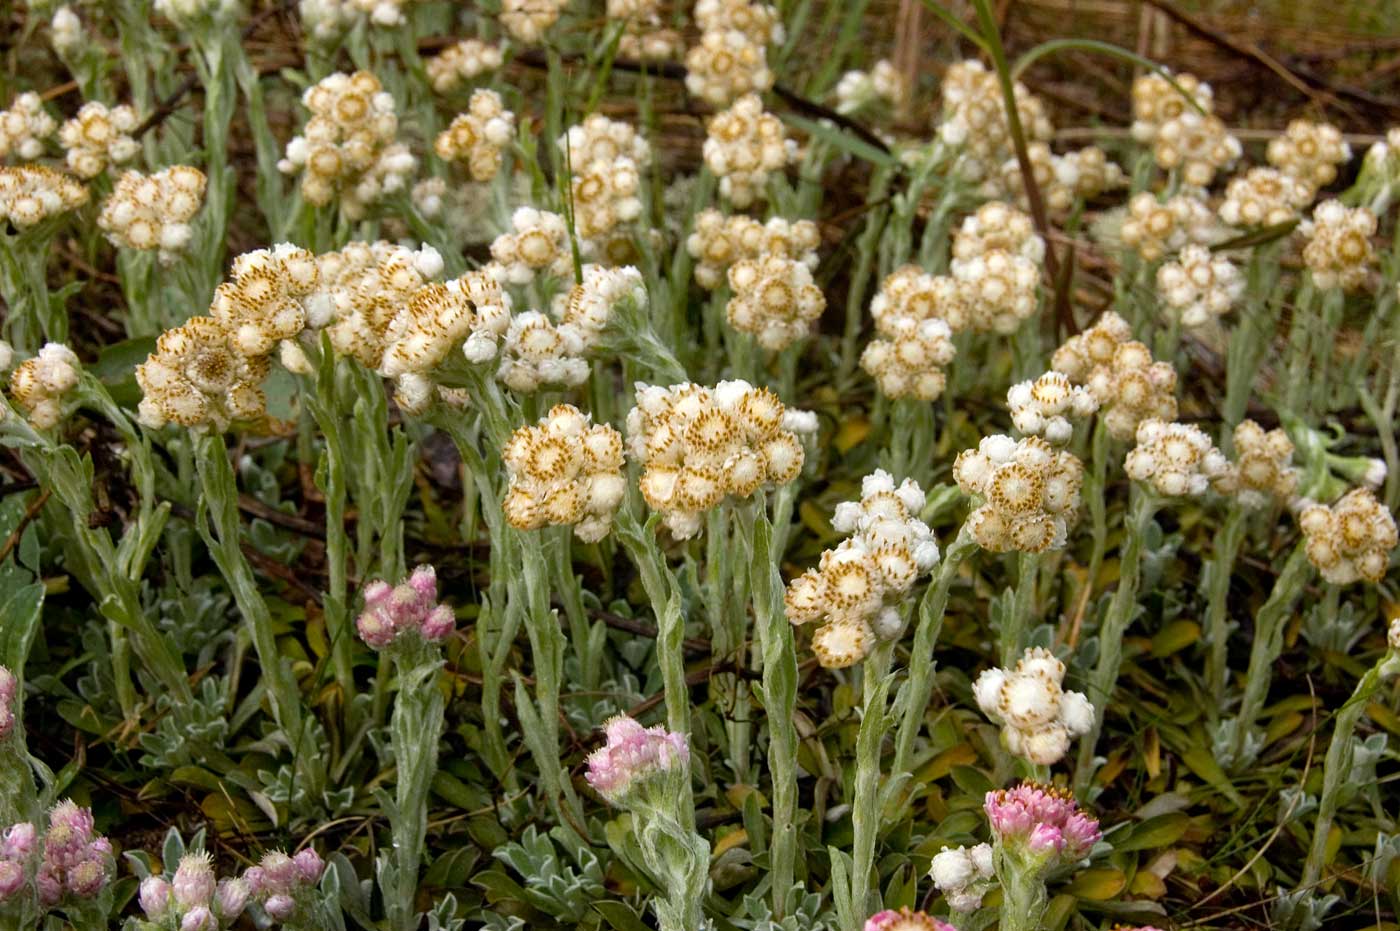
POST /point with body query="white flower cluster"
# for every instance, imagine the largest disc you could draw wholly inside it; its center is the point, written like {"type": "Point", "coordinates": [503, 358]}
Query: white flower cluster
{"type": "Point", "coordinates": [742, 146]}
{"type": "Point", "coordinates": [186, 13]}
{"type": "Point", "coordinates": [700, 445]}
{"type": "Point", "coordinates": [643, 36]}
{"type": "Point", "coordinates": [589, 305]}
{"type": "Point", "coordinates": [564, 471]}
{"type": "Point", "coordinates": [67, 31]}
{"type": "Point", "coordinates": [328, 20]}
{"type": "Point", "coordinates": [1037, 716]}
{"type": "Point", "coordinates": [1352, 539]}
{"type": "Point", "coordinates": [471, 311]}
{"type": "Point", "coordinates": [964, 875]}
{"type": "Point", "coordinates": [718, 241]}
{"type": "Point", "coordinates": [1120, 373]}
{"type": "Point", "coordinates": [477, 136]}
{"type": "Point", "coordinates": [527, 20]}
{"type": "Point", "coordinates": [460, 63]}
{"type": "Point", "coordinates": [98, 136]}
{"type": "Point", "coordinates": [1062, 179]}
{"type": "Point", "coordinates": [367, 285]}
{"type": "Point", "coordinates": [37, 385]}
{"type": "Point", "coordinates": [1156, 103]}
{"type": "Point", "coordinates": [606, 157]}
{"type": "Point", "coordinates": [1028, 489]}
{"type": "Point", "coordinates": [1044, 407]}
{"type": "Point", "coordinates": [1199, 286]}
{"type": "Point", "coordinates": [153, 211]}
{"type": "Point", "coordinates": [1263, 470]}
{"type": "Point", "coordinates": [1338, 252]}
{"type": "Point", "coordinates": [1309, 152]}
{"type": "Point", "coordinates": [908, 357]}
{"type": "Point", "coordinates": [1175, 459]}
{"type": "Point", "coordinates": [774, 299]}
{"type": "Point", "coordinates": [856, 590]}
{"type": "Point", "coordinates": [1196, 145]}
{"type": "Point", "coordinates": [537, 244]}
{"type": "Point", "coordinates": [1153, 229]}
{"type": "Point", "coordinates": [731, 58]}
{"type": "Point", "coordinates": [25, 126]}
{"type": "Point", "coordinates": [996, 258]}
{"type": "Point", "coordinates": [271, 295]}
{"type": "Point", "coordinates": [31, 194]}
{"type": "Point", "coordinates": [197, 378]}
{"type": "Point", "coordinates": [858, 89]}
{"type": "Point", "coordinates": [347, 147]}
{"type": "Point", "coordinates": [974, 119]}
{"type": "Point", "coordinates": [911, 292]}
{"type": "Point", "coordinates": [1264, 197]}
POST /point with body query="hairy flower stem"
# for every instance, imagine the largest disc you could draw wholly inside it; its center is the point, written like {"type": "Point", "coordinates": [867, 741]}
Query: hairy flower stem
{"type": "Point", "coordinates": [1249, 342]}
{"type": "Point", "coordinates": [1217, 580]}
{"type": "Point", "coordinates": [727, 582]}
{"type": "Point", "coordinates": [415, 729]}
{"type": "Point", "coordinates": [678, 857]}
{"type": "Point", "coordinates": [221, 530]}
{"type": "Point", "coordinates": [1336, 768]}
{"type": "Point", "coordinates": [867, 248]}
{"type": "Point", "coordinates": [913, 697]}
{"type": "Point", "coordinates": [1018, 620]}
{"type": "Point", "coordinates": [1023, 895]}
{"type": "Point", "coordinates": [1121, 611]}
{"type": "Point", "coordinates": [1095, 486]}
{"type": "Point", "coordinates": [1269, 625]}
{"type": "Point", "coordinates": [875, 723]}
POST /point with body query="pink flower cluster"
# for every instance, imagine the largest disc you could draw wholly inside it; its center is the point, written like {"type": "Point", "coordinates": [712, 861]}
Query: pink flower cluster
{"type": "Point", "coordinates": [633, 753]}
{"type": "Point", "coordinates": [905, 920]}
{"type": "Point", "coordinates": [394, 610]}
{"type": "Point", "coordinates": [17, 844]}
{"type": "Point", "coordinates": [194, 898]}
{"type": "Point", "coordinates": [9, 687]}
{"type": "Point", "coordinates": [76, 861]}
{"type": "Point", "coordinates": [277, 881]}
{"type": "Point", "coordinates": [1042, 820]}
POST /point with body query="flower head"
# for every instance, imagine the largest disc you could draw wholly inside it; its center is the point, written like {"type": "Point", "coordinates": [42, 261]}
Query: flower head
{"type": "Point", "coordinates": [1038, 717]}
{"type": "Point", "coordinates": [964, 875]}
{"type": "Point", "coordinates": [565, 470]}
{"type": "Point", "coordinates": [632, 756]}
{"type": "Point", "coordinates": [905, 920]}
{"type": "Point", "coordinates": [1040, 824]}
{"type": "Point", "coordinates": [1029, 493]}
{"type": "Point", "coordinates": [1352, 539]}
{"type": "Point", "coordinates": [409, 607]}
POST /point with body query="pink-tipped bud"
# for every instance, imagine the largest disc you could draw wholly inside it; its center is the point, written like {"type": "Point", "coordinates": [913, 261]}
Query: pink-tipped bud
{"type": "Point", "coordinates": [154, 897]}
{"type": "Point", "coordinates": [255, 879]}
{"type": "Point", "coordinates": [19, 841]}
{"type": "Point", "coordinates": [87, 878]}
{"type": "Point", "coordinates": [280, 907]}
{"type": "Point", "coordinates": [1045, 839]}
{"type": "Point", "coordinates": [199, 918]}
{"type": "Point", "coordinates": [439, 624]}
{"type": "Point", "coordinates": [374, 629]}
{"type": "Point", "coordinates": [279, 872]}
{"type": "Point", "coordinates": [48, 884]}
{"type": "Point", "coordinates": [231, 898]}
{"type": "Point", "coordinates": [194, 880]}
{"type": "Point", "coordinates": [11, 879]}
{"type": "Point", "coordinates": [423, 581]}
{"type": "Point", "coordinates": [310, 865]}
{"type": "Point", "coordinates": [376, 593]}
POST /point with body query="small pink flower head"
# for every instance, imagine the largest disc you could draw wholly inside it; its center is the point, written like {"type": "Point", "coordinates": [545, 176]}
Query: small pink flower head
{"type": "Point", "coordinates": [905, 920]}
{"type": "Point", "coordinates": [423, 582]}
{"type": "Point", "coordinates": [309, 866]}
{"type": "Point", "coordinates": [280, 907]}
{"type": "Point", "coordinates": [18, 841]}
{"type": "Point", "coordinates": [9, 687]}
{"type": "Point", "coordinates": [409, 606]}
{"type": "Point", "coordinates": [254, 880]}
{"type": "Point", "coordinates": [633, 753]}
{"type": "Point", "coordinates": [11, 879]}
{"type": "Point", "coordinates": [439, 624]}
{"type": "Point", "coordinates": [199, 918]}
{"type": "Point", "coordinates": [194, 880]}
{"type": "Point", "coordinates": [1040, 821]}
{"type": "Point", "coordinates": [154, 897]}
{"type": "Point", "coordinates": [49, 886]}
{"type": "Point", "coordinates": [279, 873]}
{"type": "Point", "coordinates": [231, 896]}
{"type": "Point", "coordinates": [70, 832]}
{"type": "Point", "coordinates": [87, 878]}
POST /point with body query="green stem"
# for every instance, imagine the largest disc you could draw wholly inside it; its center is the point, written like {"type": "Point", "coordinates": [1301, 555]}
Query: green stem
{"type": "Point", "coordinates": [1023, 895]}
{"type": "Point", "coordinates": [1217, 579]}
{"type": "Point", "coordinates": [1018, 622]}
{"type": "Point", "coordinates": [865, 806]}
{"type": "Point", "coordinates": [415, 727]}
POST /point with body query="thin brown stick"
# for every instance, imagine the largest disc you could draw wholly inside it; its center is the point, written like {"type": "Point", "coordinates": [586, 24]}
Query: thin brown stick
{"type": "Point", "coordinates": [30, 513]}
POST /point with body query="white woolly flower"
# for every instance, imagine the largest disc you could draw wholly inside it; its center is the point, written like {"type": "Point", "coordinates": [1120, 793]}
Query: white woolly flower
{"type": "Point", "coordinates": [1174, 459]}
{"type": "Point", "coordinates": [1038, 717]}
{"type": "Point", "coordinates": [1199, 286]}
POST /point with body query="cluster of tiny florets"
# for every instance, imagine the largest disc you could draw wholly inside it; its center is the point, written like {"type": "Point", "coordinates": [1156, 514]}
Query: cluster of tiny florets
{"type": "Point", "coordinates": [1154, 229]}
{"type": "Point", "coordinates": [1044, 407]}
{"type": "Point", "coordinates": [743, 145]}
{"type": "Point", "coordinates": [1263, 197]}
{"type": "Point", "coordinates": [197, 378]}
{"type": "Point", "coordinates": [1199, 286]}
{"type": "Point", "coordinates": [1196, 145]}
{"type": "Point", "coordinates": [1352, 539]}
{"type": "Point", "coordinates": [564, 471]}
{"type": "Point", "coordinates": [1038, 717]}
{"type": "Point", "coordinates": [974, 119]}
{"type": "Point", "coordinates": [633, 757]}
{"type": "Point", "coordinates": [605, 158]}
{"type": "Point", "coordinates": [995, 264]}
{"type": "Point", "coordinates": [1029, 493]}
{"type": "Point", "coordinates": [538, 243]}
{"type": "Point", "coordinates": [1175, 459]}
{"type": "Point", "coordinates": [855, 591]}
{"type": "Point", "coordinates": [460, 63]}
{"type": "Point", "coordinates": [774, 299]}
{"type": "Point", "coordinates": [282, 885]}
{"type": "Point", "coordinates": [905, 919]}
{"type": "Point", "coordinates": [153, 212]}
{"type": "Point", "coordinates": [327, 20]}
{"type": "Point", "coordinates": [38, 385]}
{"type": "Point", "coordinates": [719, 241]}
{"type": "Point", "coordinates": [1120, 373]}
{"type": "Point", "coordinates": [1263, 470]}
{"type": "Point", "coordinates": [194, 899]}
{"type": "Point", "coordinates": [911, 292]}
{"type": "Point", "coordinates": [527, 20]}
{"type": "Point", "coordinates": [1040, 827]}
{"type": "Point", "coordinates": [478, 135]}
{"type": "Point", "coordinates": [643, 36]}
{"type": "Point", "coordinates": [76, 862]}
{"type": "Point", "coordinates": [98, 136]}
{"type": "Point", "coordinates": [731, 58]}
{"type": "Point", "coordinates": [964, 875]}
{"type": "Point", "coordinates": [909, 357]}
{"type": "Point", "coordinates": [30, 194]}
{"type": "Point", "coordinates": [700, 445]}
{"type": "Point", "coordinates": [1156, 102]}
{"type": "Point", "coordinates": [858, 89]}
{"type": "Point", "coordinates": [25, 126]}
{"type": "Point", "coordinates": [1309, 152]}
{"type": "Point", "coordinates": [271, 295]}
{"type": "Point", "coordinates": [409, 608]}
{"type": "Point", "coordinates": [347, 148]}
{"type": "Point", "coordinates": [1338, 251]}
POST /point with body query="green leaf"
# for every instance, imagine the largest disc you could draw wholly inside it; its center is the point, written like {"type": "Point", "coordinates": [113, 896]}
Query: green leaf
{"type": "Point", "coordinates": [1161, 831]}
{"type": "Point", "coordinates": [619, 915]}
{"type": "Point", "coordinates": [1097, 885]}
{"type": "Point", "coordinates": [844, 141]}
